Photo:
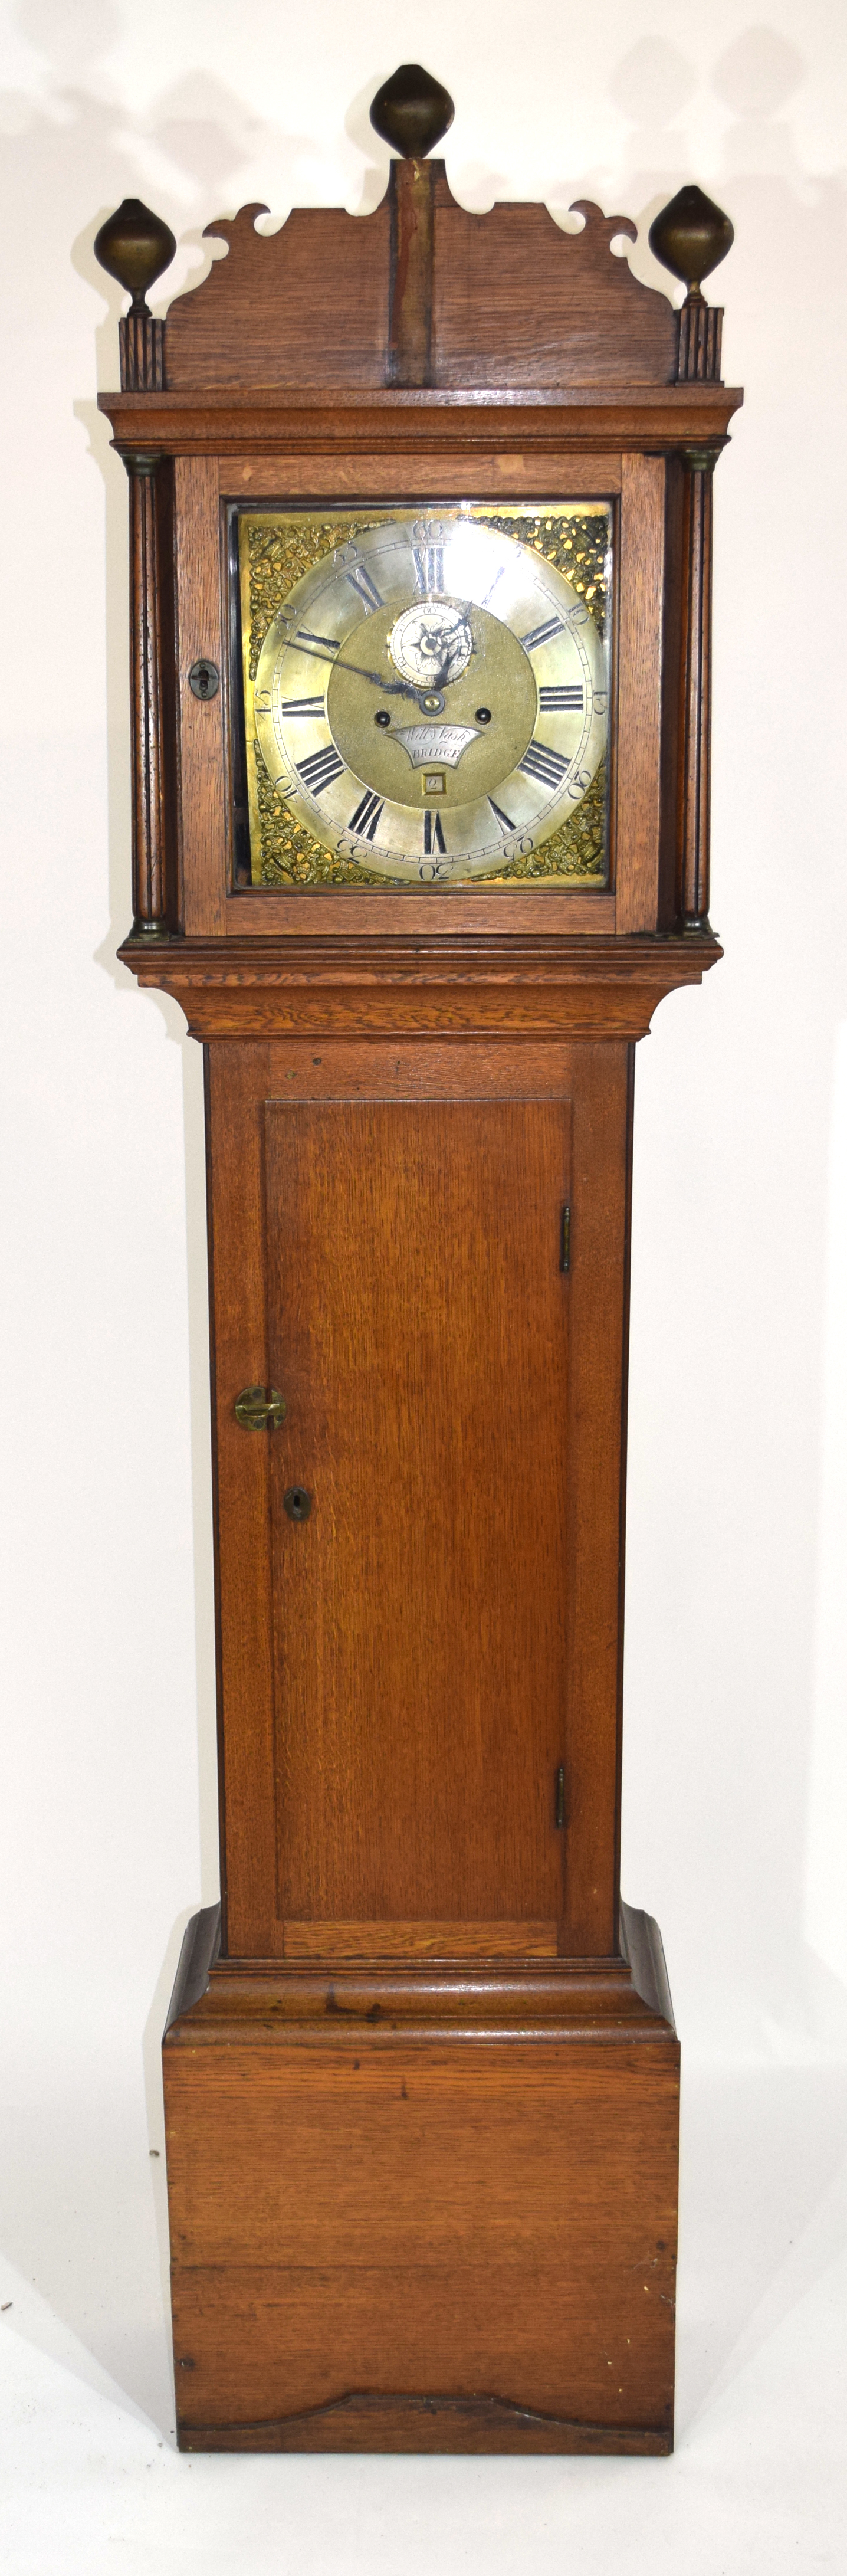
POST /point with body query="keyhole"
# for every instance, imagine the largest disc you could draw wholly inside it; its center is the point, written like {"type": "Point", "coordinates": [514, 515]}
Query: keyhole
{"type": "Point", "coordinates": [297, 1503]}
{"type": "Point", "coordinates": [204, 678]}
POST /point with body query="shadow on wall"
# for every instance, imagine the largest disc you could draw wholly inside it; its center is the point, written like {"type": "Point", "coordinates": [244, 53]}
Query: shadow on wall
{"type": "Point", "coordinates": [756, 1541]}
{"type": "Point", "coordinates": [757, 77]}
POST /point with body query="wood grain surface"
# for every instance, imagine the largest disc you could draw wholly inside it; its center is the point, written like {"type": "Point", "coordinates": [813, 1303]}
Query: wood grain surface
{"type": "Point", "coordinates": [429, 2424]}
{"type": "Point", "coordinates": [269, 912]}
{"type": "Point", "coordinates": [412, 187]}
{"type": "Point", "coordinates": [526, 988]}
{"type": "Point", "coordinates": [524, 2140]}
{"type": "Point", "coordinates": [200, 632]}
{"type": "Point", "coordinates": [419, 1938]}
{"type": "Point", "coordinates": [514, 298]}
{"type": "Point", "coordinates": [314, 421]}
{"type": "Point", "coordinates": [492, 2224]}
{"type": "Point", "coordinates": [509, 474]}
{"type": "Point", "coordinates": [417, 1323]}
{"type": "Point", "coordinates": [638, 733]}
{"type": "Point", "coordinates": [313, 295]}
{"type": "Point", "coordinates": [445, 1165]}
{"type": "Point", "coordinates": [517, 300]}
{"type": "Point", "coordinates": [540, 1996]}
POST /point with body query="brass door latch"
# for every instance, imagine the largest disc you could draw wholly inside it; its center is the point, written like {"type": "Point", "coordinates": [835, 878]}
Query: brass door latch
{"type": "Point", "coordinates": [260, 1408]}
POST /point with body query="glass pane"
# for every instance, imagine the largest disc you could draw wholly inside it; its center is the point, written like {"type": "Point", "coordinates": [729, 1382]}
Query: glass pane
{"type": "Point", "coordinates": [425, 695]}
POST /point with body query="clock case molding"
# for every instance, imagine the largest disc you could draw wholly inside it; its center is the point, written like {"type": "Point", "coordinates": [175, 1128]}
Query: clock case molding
{"type": "Point", "coordinates": [335, 2284]}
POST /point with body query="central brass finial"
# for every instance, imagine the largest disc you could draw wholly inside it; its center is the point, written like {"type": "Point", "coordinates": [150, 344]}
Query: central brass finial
{"type": "Point", "coordinates": [411, 111]}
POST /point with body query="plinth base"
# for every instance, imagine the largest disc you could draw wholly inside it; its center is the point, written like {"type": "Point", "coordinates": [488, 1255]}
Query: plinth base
{"type": "Point", "coordinates": [422, 2210]}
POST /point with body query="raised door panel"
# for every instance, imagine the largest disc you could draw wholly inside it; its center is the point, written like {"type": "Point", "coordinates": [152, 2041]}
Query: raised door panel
{"type": "Point", "coordinates": [417, 1324]}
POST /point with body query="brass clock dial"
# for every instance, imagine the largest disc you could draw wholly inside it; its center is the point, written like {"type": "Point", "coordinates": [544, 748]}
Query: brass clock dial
{"type": "Point", "coordinates": [431, 699]}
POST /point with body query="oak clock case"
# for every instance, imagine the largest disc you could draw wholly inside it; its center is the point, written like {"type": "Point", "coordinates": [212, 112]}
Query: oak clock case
{"type": "Point", "coordinates": [420, 551]}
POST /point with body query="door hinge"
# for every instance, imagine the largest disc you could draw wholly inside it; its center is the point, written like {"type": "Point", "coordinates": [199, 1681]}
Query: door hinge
{"type": "Point", "coordinates": [560, 1797]}
{"type": "Point", "coordinates": [565, 1240]}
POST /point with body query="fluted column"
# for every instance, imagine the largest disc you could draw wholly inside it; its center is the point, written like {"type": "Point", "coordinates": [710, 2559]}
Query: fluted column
{"type": "Point", "coordinates": [699, 333]}
{"type": "Point", "coordinates": [695, 708]}
{"type": "Point", "coordinates": [148, 817]}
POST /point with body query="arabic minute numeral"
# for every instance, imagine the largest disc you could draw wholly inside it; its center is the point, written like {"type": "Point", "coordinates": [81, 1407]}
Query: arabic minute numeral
{"type": "Point", "coordinates": [429, 569]}
{"type": "Point", "coordinates": [433, 835]}
{"type": "Point", "coordinates": [302, 706]}
{"type": "Point", "coordinates": [545, 764]}
{"type": "Point", "coordinates": [320, 769]}
{"type": "Point", "coordinates": [503, 819]}
{"type": "Point", "coordinates": [325, 643]}
{"type": "Point", "coordinates": [367, 815]}
{"type": "Point", "coordinates": [365, 587]}
{"type": "Point", "coordinates": [542, 634]}
{"type": "Point", "coordinates": [566, 701]}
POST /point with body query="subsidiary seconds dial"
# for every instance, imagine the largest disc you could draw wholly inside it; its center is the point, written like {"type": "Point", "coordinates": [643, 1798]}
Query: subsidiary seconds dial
{"type": "Point", "coordinates": [431, 699]}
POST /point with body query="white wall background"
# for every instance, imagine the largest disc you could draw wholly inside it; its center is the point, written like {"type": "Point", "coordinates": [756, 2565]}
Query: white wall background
{"type": "Point", "coordinates": [735, 1766]}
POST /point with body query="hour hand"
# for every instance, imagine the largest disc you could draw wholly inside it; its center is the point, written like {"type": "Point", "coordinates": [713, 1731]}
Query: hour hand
{"type": "Point", "coordinates": [430, 701]}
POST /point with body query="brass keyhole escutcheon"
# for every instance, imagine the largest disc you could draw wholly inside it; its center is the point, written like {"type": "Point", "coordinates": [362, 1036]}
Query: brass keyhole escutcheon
{"type": "Point", "coordinates": [297, 1503]}
{"type": "Point", "coordinates": [260, 1408]}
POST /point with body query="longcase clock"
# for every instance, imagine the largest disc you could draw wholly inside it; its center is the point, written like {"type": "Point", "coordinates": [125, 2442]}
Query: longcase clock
{"type": "Point", "coordinates": [420, 547]}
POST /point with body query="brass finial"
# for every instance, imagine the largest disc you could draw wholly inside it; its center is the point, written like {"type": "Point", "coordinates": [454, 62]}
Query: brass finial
{"type": "Point", "coordinates": [691, 236]}
{"type": "Point", "coordinates": [134, 246]}
{"type": "Point", "coordinates": [411, 111]}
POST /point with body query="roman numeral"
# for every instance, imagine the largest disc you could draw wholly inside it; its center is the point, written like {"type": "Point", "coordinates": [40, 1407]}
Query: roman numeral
{"type": "Point", "coordinates": [367, 815]}
{"type": "Point", "coordinates": [569, 700]}
{"type": "Point", "coordinates": [302, 706]}
{"type": "Point", "coordinates": [429, 568]}
{"type": "Point", "coordinates": [365, 587]}
{"type": "Point", "coordinates": [503, 819]}
{"type": "Point", "coordinates": [433, 835]}
{"type": "Point", "coordinates": [543, 763]}
{"type": "Point", "coordinates": [542, 634]}
{"type": "Point", "coordinates": [320, 769]}
{"type": "Point", "coordinates": [325, 642]}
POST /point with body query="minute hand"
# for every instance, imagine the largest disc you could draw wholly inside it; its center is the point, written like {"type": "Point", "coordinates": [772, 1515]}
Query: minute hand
{"type": "Point", "coordinates": [390, 688]}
